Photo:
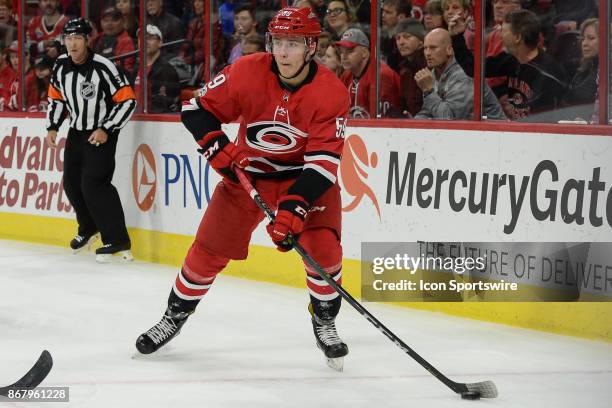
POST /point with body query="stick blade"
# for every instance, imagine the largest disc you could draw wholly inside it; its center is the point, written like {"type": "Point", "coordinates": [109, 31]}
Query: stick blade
{"type": "Point", "coordinates": [486, 389]}
{"type": "Point", "coordinates": [35, 376]}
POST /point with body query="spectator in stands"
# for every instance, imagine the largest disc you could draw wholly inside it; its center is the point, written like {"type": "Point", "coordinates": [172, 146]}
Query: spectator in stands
{"type": "Point", "coordinates": [192, 52]}
{"type": "Point", "coordinates": [37, 84]}
{"type": "Point", "coordinates": [535, 81]}
{"type": "Point", "coordinates": [8, 25]}
{"type": "Point", "coordinates": [448, 93]}
{"type": "Point", "coordinates": [409, 36]}
{"type": "Point", "coordinates": [162, 80]}
{"type": "Point", "coordinates": [169, 25]}
{"type": "Point", "coordinates": [433, 15]}
{"type": "Point", "coordinates": [393, 11]}
{"type": "Point", "coordinates": [7, 76]}
{"type": "Point", "coordinates": [500, 9]}
{"type": "Point", "coordinates": [245, 24]}
{"type": "Point", "coordinates": [360, 76]}
{"type": "Point", "coordinates": [582, 89]}
{"type": "Point", "coordinates": [338, 17]}
{"type": "Point", "coordinates": [494, 45]}
{"type": "Point", "coordinates": [566, 48]}
{"type": "Point", "coordinates": [13, 59]}
{"type": "Point", "coordinates": [325, 39]}
{"type": "Point", "coordinates": [252, 44]}
{"type": "Point", "coordinates": [331, 60]}
{"type": "Point", "coordinates": [48, 26]}
{"type": "Point", "coordinates": [114, 41]}
{"type": "Point", "coordinates": [13, 56]}
{"type": "Point", "coordinates": [452, 9]}
{"type": "Point", "coordinates": [130, 16]}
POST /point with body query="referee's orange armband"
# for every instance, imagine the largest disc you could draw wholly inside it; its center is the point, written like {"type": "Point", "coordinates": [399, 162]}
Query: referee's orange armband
{"type": "Point", "coordinates": [124, 94]}
{"type": "Point", "coordinates": [53, 93]}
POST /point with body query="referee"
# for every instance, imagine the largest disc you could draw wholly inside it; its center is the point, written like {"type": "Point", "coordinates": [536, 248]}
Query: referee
{"type": "Point", "coordinates": [99, 101]}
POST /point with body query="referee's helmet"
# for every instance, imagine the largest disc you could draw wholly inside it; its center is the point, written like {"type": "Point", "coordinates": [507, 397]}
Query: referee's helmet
{"type": "Point", "coordinates": [77, 26]}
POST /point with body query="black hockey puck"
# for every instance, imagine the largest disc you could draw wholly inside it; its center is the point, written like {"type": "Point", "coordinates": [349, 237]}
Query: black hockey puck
{"type": "Point", "coordinates": [470, 395]}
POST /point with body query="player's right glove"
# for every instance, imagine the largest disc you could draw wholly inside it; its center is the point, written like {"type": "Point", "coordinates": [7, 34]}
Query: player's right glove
{"type": "Point", "coordinates": [289, 221]}
{"type": "Point", "coordinates": [222, 154]}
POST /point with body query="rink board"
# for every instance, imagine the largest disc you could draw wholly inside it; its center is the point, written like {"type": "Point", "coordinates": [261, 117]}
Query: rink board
{"type": "Point", "coordinates": [398, 185]}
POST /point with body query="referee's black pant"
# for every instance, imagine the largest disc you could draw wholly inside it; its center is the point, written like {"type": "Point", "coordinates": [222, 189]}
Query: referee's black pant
{"type": "Point", "coordinates": [88, 172]}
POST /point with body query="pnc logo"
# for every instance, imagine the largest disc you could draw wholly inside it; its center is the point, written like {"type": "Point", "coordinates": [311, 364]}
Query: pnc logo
{"type": "Point", "coordinates": [144, 177]}
{"type": "Point", "coordinates": [354, 168]}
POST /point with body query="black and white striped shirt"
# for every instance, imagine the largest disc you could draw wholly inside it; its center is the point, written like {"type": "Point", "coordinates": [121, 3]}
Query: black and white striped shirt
{"type": "Point", "coordinates": [95, 95]}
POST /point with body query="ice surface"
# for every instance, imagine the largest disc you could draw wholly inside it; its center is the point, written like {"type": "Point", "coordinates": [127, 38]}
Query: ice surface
{"type": "Point", "coordinates": [250, 344]}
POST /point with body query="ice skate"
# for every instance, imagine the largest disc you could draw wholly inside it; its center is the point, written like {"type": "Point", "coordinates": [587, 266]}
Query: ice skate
{"type": "Point", "coordinates": [110, 253]}
{"type": "Point", "coordinates": [83, 242]}
{"type": "Point", "coordinates": [329, 342]}
{"type": "Point", "coordinates": [160, 334]}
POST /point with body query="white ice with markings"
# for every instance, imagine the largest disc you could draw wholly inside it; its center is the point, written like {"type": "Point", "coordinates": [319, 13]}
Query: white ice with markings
{"type": "Point", "coordinates": [250, 344]}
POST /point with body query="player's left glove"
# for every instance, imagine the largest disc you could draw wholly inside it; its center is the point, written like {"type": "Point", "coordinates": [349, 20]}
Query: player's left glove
{"type": "Point", "coordinates": [222, 154]}
{"type": "Point", "coordinates": [289, 221]}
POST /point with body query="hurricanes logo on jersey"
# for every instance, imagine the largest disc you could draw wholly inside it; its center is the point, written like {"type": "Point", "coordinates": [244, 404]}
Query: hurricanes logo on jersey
{"type": "Point", "coordinates": [358, 112]}
{"type": "Point", "coordinates": [88, 90]}
{"type": "Point", "coordinates": [274, 137]}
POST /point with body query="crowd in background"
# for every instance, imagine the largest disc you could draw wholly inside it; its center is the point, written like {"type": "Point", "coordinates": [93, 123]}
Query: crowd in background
{"type": "Point", "coordinates": [541, 56]}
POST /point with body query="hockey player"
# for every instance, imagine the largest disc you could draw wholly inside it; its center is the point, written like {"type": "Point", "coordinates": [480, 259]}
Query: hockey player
{"type": "Point", "coordinates": [290, 140]}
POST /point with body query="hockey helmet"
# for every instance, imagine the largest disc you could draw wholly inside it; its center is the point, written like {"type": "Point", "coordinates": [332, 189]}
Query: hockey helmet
{"type": "Point", "coordinates": [77, 26]}
{"type": "Point", "coordinates": [292, 21]}
{"type": "Point", "coordinates": [295, 21]}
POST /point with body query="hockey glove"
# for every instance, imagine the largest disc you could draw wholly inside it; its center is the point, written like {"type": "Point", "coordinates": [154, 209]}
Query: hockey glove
{"type": "Point", "coordinates": [222, 154]}
{"type": "Point", "coordinates": [292, 210]}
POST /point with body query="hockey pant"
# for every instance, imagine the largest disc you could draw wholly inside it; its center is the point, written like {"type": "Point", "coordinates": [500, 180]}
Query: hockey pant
{"type": "Point", "coordinates": [225, 232]}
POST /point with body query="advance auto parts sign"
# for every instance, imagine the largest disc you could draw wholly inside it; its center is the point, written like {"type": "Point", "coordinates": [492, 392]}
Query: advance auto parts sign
{"type": "Point", "coordinates": [481, 186]}
{"type": "Point", "coordinates": [31, 173]}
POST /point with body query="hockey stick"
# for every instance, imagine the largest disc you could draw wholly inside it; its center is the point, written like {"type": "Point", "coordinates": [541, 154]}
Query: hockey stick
{"type": "Point", "coordinates": [34, 377]}
{"type": "Point", "coordinates": [484, 389]}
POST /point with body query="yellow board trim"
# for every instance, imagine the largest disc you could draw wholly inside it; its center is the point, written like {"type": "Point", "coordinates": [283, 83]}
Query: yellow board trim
{"type": "Point", "coordinates": [591, 320]}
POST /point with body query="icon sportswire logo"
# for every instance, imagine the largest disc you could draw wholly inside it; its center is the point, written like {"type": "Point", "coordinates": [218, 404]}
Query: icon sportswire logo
{"type": "Point", "coordinates": [144, 177]}
{"type": "Point", "coordinates": [354, 167]}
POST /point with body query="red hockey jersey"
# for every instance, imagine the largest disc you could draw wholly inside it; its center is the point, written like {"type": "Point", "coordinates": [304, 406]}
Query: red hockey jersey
{"type": "Point", "coordinates": [7, 77]}
{"type": "Point", "coordinates": [37, 31]}
{"type": "Point", "coordinates": [282, 131]}
{"type": "Point", "coordinates": [359, 91]}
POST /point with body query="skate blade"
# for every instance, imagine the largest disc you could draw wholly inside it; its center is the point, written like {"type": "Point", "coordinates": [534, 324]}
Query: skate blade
{"type": "Point", "coordinates": [88, 245]}
{"type": "Point", "coordinates": [336, 363]}
{"type": "Point", "coordinates": [162, 353]}
{"type": "Point", "coordinates": [121, 256]}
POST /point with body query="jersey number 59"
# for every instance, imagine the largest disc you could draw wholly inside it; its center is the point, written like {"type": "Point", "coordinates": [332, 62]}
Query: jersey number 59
{"type": "Point", "coordinates": [215, 82]}
{"type": "Point", "coordinates": [340, 127]}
